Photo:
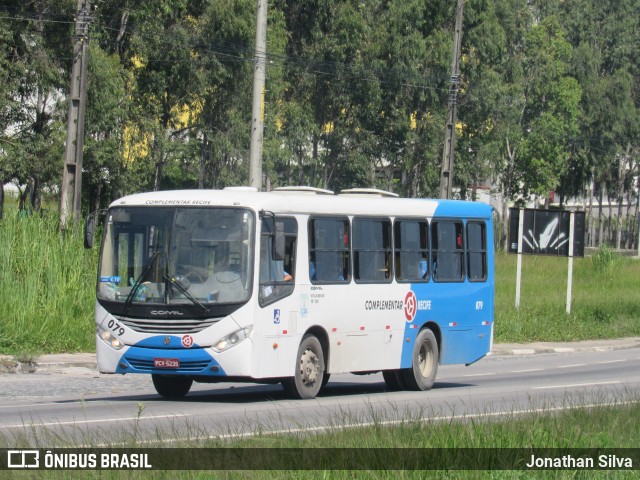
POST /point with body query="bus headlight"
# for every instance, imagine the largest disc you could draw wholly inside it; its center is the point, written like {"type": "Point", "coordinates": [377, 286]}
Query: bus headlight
{"type": "Point", "coordinates": [225, 343]}
{"type": "Point", "coordinates": [108, 338]}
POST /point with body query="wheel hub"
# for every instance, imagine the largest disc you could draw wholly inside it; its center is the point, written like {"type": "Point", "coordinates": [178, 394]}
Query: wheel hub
{"type": "Point", "coordinates": [309, 367]}
{"type": "Point", "coordinates": [424, 359]}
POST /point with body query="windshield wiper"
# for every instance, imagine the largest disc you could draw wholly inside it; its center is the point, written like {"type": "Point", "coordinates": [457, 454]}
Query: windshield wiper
{"type": "Point", "coordinates": [138, 282]}
{"type": "Point", "coordinates": [174, 282]}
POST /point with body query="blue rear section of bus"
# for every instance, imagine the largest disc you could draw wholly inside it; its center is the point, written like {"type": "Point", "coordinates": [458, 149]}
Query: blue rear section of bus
{"type": "Point", "coordinates": [461, 312]}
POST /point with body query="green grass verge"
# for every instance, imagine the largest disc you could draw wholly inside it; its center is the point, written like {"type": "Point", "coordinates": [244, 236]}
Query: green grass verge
{"type": "Point", "coordinates": [607, 426]}
{"type": "Point", "coordinates": [605, 300]}
{"type": "Point", "coordinates": [47, 286]}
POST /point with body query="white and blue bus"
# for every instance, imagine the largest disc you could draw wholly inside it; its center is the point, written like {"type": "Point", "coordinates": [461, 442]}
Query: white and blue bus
{"type": "Point", "coordinates": [291, 286]}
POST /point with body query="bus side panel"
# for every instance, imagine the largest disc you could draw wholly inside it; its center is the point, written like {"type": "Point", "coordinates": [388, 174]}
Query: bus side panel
{"type": "Point", "coordinates": [278, 331]}
{"type": "Point", "coordinates": [463, 313]}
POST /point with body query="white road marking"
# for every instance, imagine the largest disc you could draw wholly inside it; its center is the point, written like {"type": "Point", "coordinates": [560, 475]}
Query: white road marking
{"type": "Point", "coordinates": [30, 406]}
{"type": "Point", "coordinates": [577, 385]}
{"type": "Point", "coordinates": [331, 428]}
{"type": "Point", "coordinates": [87, 422]}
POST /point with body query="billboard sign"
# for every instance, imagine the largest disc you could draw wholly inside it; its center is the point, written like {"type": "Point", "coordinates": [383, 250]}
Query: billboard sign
{"type": "Point", "coordinates": [546, 232]}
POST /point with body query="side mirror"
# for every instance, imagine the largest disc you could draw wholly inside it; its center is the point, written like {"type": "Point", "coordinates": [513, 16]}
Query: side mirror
{"type": "Point", "coordinates": [278, 242]}
{"type": "Point", "coordinates": [89, 231]}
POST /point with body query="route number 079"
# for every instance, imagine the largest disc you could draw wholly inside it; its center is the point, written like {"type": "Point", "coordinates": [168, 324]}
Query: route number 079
{"type": "Point", "coordinates": [116, 327]}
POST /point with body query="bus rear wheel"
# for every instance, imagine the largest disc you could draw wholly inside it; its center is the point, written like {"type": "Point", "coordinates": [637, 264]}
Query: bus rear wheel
{"type": "Point", "coordinates": [310, 370]}
{"type": "Point", "coordinates": [424, 365]}
{"type": "Point", "coordinates": [172, 386]}
{"type": "Point", "coordinates": [393, 380]}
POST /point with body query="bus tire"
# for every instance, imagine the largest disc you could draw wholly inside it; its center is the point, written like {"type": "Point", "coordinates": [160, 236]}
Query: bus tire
{"type": "Point", "coordinates": [310, 369]}
{"type": "Point", "coordinates": [424, 365]}
{"type": "Point", "coordinates": [393, 380]}
{"type": "Point", "coordinates": [172, 386]}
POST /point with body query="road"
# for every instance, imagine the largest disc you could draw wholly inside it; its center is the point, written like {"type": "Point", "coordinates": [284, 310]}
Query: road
{"type": "Point", "coordinates": [78, 406]}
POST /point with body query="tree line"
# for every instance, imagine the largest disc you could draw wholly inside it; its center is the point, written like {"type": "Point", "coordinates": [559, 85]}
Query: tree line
{"type": "Point", "coordinates": [356, 95]}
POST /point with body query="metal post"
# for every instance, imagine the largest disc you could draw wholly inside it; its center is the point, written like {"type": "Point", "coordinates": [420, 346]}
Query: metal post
{"type": "Point", "coordinates": [71, 191]}
{"type": "Point", "coordinates": [519, 263]}
{"type": "Point", "coordinates": [570, 269]}
{"type": "Point", "coordinates": [257, 107]}
{"type": "Point", "coordinates": [638, 219]}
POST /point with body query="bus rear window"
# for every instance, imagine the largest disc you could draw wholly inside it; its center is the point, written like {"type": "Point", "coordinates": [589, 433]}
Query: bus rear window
{"type": "Point", "coordinates": [476, 251]}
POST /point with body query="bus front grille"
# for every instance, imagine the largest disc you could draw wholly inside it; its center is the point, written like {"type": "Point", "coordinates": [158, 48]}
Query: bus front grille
{"type": "Point", "coordinates": [167, 326]}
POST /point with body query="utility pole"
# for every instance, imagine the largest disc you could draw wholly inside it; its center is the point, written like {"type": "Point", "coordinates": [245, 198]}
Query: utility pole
{"type": "Point", "coordinates": [257, 107]}
{"type": "Point", "coordinates": [446, 177]}
{"type": "Point", "coordinates": [70, 194]}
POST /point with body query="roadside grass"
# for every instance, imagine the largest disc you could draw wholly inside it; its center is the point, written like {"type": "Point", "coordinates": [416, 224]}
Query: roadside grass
{"type": "Point", "coordinates": [47, 284]}
{"type": "Point", "coordinates": [605, 425]}
{"type": "Point", "coordinates": [605, 298]}
{"type": "Point", "coordinates": [47, 292]}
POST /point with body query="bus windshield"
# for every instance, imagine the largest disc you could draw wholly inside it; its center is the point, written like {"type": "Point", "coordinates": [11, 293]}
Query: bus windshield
{"type": "Point", "coordinates": [174, 256]}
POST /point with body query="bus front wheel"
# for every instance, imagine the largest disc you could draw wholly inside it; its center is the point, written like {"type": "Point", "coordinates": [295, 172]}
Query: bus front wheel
{"type": "Point", "coordinates": [309, 373]}
{"type": "Point", "coordinates": [171, 386]}
{"type": "Point", "coordinates": [424, 365]}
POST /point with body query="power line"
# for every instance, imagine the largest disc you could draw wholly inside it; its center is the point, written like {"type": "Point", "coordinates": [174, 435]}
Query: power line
{"type": "Point", "coordinates": [36, 19]}
{"type": "Point", "coordinates": [233, 52]}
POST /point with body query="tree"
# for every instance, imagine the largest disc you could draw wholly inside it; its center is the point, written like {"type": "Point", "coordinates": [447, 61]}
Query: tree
{"type": "Point", "coordinates": [167, 78]}
{"type": "Point", "coordinates": [606, 63]}
{"type": "Point", "coordinates": [106, 118]}
{"type": "Point", "coordinates": [35, 62]}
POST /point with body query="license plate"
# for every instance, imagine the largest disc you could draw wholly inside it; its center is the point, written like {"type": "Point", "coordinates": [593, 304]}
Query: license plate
{"type": "Point", "coordinates": [166, 363]}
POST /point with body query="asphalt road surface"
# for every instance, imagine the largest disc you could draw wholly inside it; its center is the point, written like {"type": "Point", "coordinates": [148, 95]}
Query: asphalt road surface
{"type": "Point", "coordinates": [79, 407]}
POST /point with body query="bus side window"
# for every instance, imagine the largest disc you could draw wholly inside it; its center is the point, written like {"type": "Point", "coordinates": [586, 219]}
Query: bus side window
{"type": "Point", "coordinates": [372, 250]}
{"type": "Point", "coordinates": [447, 251]}
{"type": "Point", "coordinates": [276, 276]}
{"type": "Point", "coordinates": [477, 251]}
{"type": "Point", "coordinates": [329, 257]}
{"type": "Point", "coordinates": [411, 244]}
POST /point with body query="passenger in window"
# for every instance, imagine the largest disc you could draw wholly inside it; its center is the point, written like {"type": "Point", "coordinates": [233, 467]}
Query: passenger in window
{"type": "Point", "coordinates": [422, 269]}
{"type": "Point", "coordinates": [272, 270]}
{"type": "Point", "coordinates": [277, 271]}
{"type": "Point", "coordinates": [312, 270]}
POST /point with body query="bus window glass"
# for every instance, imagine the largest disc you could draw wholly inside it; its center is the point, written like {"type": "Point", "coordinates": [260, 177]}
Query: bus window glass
{"type": "Point", "coordinates": [476, 251]}
{"type": "Point", "coordinates": [372, 250]}
{"type": "Point", "coordinates": [277, 276]}
{"type": "Point", "coordinates": [447, 251]}
{"type": "Point", "coordinates": [411, 251]}
{"type": "Point", "coordinates": [329, 250]}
